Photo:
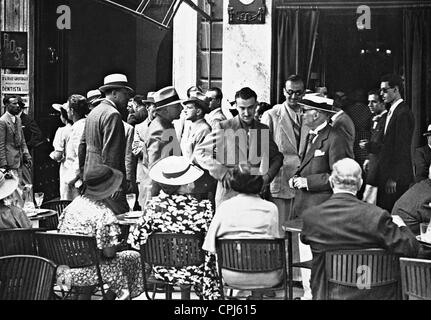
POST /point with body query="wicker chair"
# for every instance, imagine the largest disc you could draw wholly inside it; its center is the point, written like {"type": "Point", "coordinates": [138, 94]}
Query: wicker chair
{"type": "Point", "coordinates": [252, 256]}
{"type": "Point", "coordinates": [73, 251]}
{"type": "Point", "coordinates": [415, 279]}
{"type": "Point", "coordinates": [51, 223]}
{"type": "Point", "coordinates": [368, 274]}
{"type": "Point", "coordinates": [18, 241]}
{"type": "Point", "coordinates": [26, 277]}
{"type": "Point", "coordinates": [169, 250]}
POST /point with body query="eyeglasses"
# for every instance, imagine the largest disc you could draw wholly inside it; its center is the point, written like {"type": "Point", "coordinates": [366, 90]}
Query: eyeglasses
{"type": "Point", "coordinates": [385, 90]}
{"type": "Point", "coordinates": [297, 92]}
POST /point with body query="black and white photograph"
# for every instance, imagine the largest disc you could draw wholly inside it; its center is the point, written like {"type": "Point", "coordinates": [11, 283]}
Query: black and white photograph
{"type": "Point", "coordinates": [244, 152]}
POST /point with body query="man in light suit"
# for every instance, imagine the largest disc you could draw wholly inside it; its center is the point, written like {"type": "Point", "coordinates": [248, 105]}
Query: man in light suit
{"type": "Point", "coordinates": [239, 140]}
{"type": "Point", "coordinates": [394, 173]}
{"type": "Point", "coordinates": [285, 126]}
{"type": "Point", "coordinates": [345, 222]}
{"type": "Point", "coordinates": [104, 139]}
{"type": "Point", "coordinates": [162, 137]}
{"type": "Point", "coordinates": [13, 149]}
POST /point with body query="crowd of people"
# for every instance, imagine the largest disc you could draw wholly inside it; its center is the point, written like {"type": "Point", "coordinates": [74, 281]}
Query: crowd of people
{"type": "Point", "coordinates": [340, 165]}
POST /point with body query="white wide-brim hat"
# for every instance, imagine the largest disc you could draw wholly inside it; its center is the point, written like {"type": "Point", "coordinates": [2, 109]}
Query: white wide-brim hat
{"type": "Point", "coordinates": [8, 184]}
{"type": "Point", "coordinates": [175, 171]}
{"type": "Point", "coordinates": [57, 106]}
{"type": "Point", "coordinates": [116, 80]}
{"type": "Point", "coordinates": [428, 133]}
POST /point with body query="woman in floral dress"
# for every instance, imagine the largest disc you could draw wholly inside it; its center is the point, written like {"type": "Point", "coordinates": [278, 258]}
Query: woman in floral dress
{"type": "Point", "coordinates": [175, 210]}
{"type": "Point", "coordinates": [88, 215]}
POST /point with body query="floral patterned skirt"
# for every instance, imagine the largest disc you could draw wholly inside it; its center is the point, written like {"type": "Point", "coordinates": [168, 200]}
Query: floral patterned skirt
{"type": "Point", "coordinates": [123, 272]}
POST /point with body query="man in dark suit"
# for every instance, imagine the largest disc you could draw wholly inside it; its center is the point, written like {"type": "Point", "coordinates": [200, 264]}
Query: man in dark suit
{"type": "Point", "coordinates": [239, 140]}
{"type": "Point", "coordinates": [104, 140]}
{"type": "Point", "coordinates": [342, 122]}
{"type": "Point", "coordinates": [345, 222]}
{"type": "Point", "coordinates": [394, 173]}
{"type": "Point", "coordinates": [422, 158]}
{"type": "Point", "coordinates": [325, 146]}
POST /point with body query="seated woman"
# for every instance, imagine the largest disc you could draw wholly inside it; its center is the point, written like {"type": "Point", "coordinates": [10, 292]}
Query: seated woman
{"type": "Point", "coordinates": [10, 216]}
{"type": "Point", "coordinates": [175, 210]}
{"type": "Point", "coordinates": [245, 215]}
{"type": "Point", "coordinates": [89, 215]}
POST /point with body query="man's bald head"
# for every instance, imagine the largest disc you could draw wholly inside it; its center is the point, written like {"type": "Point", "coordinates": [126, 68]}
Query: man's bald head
{"type": "Point", "coordinates": [346, 175]}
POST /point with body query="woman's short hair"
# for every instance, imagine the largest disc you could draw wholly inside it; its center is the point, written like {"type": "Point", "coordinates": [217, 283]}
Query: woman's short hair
{"type": "Point", "coordinates": [244, 182]}
{"type": "Point", "coordinates": [79, 105]}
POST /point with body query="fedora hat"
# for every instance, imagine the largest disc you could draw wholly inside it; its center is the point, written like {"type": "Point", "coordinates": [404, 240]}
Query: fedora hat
{"type": "Point", "coordinates": [116, 80]}
{"type": "Point", "coordinates": [175, 171]}
{"type": "Point", "coordinates": [94, 96]}
{"type": "Point", "coordinates": [150, 97]}
{"type": "Point", "coordinates": [57, 106]}
{"type": "Point", "coordinates": [102, 181]}
{"type": "Point", "coordinates": [428, 133]}
{"type": "Point", "coordinates": [313, 101]}
{"type": "Point", "coordinates": [8, 184]}
{"type": "Point", "coordinates": [166, 97]}
{"type": "Point", "coordinates": [200, 99]}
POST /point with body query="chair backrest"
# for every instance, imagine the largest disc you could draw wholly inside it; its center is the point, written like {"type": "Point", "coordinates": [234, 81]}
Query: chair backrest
{"type": "Point", "coordinates": [416, 278]}
{"type": "Point", "coordinates": [51, 223]}
{"type": "Point", "coordinates": [173, 250]}
{"type": "Point", "coordinates": [18, 241]}
{"type": "Point", "coordinates": [74, 251]}
{"type": "Point", "coordinates": [366, 274]}
{"type": "Point", "coordinates": [26, 277]}
{"type": "Point", "coordinates": [251, 255]}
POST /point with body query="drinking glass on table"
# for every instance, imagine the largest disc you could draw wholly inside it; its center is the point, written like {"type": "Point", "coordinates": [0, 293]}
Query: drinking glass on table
{"type": "Point", "coordinates": [38, 197]}
{"type": "Point", "coordinates": [131, 199]}
{"type": "Point", "coordinates": [425, 231]}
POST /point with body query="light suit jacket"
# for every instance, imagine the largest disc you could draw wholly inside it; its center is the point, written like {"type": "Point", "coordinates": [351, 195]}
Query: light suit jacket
{"type": "Point", "coordinates": [13, 149]}
{"type": "Point", "coordinates": [281, 130]}
{"type": "Point", "coordinates": [130, 160]}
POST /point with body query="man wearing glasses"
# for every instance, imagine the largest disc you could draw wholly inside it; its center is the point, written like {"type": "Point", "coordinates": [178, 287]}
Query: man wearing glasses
{"type": "Point", "coordinates": [395, 164]}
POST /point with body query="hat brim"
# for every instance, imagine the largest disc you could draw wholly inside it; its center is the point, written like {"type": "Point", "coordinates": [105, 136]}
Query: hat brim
{"type": "Point", "coordinates": [8, 187]}
{"type": "Point", "coordinates": [201, 104]}
{"type": "Point", "coordinates": [57, 106]}
{"type": "Point", "coordinates": [427, 134]}
{"type": "Point", "coordinates": [316, 108]}
{"type": "Point", "coordinates": [191, 175]}
{"type": "Point", "coordinates": [177, 102]}
{"type": "Point", "coordinates": [98, 100]}
{"type": "Point", "coordinates": [107, 188]}
{"type": "Point", "coordinates": [104, 88]}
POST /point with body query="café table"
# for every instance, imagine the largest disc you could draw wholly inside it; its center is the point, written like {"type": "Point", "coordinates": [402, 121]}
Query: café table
{"type": "Point", "coordinates": [290, 227]}
{"type": "Point", "coordinates": [125, 220]}
{"type": "Point", "coordinates": [36, 215]}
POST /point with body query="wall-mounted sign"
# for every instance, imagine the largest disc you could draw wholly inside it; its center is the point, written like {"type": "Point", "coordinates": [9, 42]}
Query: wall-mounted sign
{"type": "Point", "coordinates": [246, 11]}
{"type": "Point", "coordinates": [14, 84]}
{"type": "Point", "coordinates": [13, 50]}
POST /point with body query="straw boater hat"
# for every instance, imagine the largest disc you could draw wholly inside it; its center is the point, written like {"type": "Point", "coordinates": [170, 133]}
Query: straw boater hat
{"type": "Point", "coordinates": [313, 101]}
{"type": "Point", "coordinates": [115, 81]}
{"type": "Point", "coordinates": [166, 97]}
{"type": "Point", "coordinates": [200, 99]}
{"type": "Point", "coordinates": [94, 96]}
{"type": "Point", "coordinates": [102, 181]}
{"type": "Point", "coordinates": [150, 97]}
{"type": "Point", "coordinates": [428, 133]}
{"type": "Point", "coordinates": [175, 171]}
{"type": "Point", "coordinates": [57, 106]}
{"type": "Point", "coordinates": [8, 184]}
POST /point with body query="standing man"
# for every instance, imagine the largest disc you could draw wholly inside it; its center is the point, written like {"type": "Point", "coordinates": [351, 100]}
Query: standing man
{"type": "Point", "coordinates": [215, 115]}
{"type": "Point", "coordinates": [239, 140]}
{"type": "Point", "coordinates": [395, 164]}
{"type": "Point", "coordinates": [13, 149]}
{"type": "Point", "coordinates": [344, 124]}
{"type": "Point", "coordinates": [162, 138]}
{"type": "Point", "coordinates": [422, 158]}
{"type": "Point", "coordinates": [285, 127]}
{"type": "Point", "coordinates": [196, 108]}
{"type": "Point", "coordinates": [104, 140]}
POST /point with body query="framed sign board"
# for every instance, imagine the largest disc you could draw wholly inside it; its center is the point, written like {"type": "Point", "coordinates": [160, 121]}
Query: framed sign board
{"type": "Point", "coordinates": [246, 11]}
{"type": "Point", "coordinates": [13, 53]}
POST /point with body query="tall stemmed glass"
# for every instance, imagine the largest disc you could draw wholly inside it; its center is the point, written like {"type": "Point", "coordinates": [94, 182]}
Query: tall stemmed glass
{"type": "Point", "coordinates": [38, 197]}
{"type": "Point", "coordinates": [131, 199]}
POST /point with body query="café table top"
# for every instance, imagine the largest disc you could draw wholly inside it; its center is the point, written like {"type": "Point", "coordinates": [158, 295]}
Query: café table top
{"type": "Point", "coordinates": [126, 219]}
{"type": "Point", "coordinates": [44, 213]}
{"type": "Point", "coordinates": [293, 225]}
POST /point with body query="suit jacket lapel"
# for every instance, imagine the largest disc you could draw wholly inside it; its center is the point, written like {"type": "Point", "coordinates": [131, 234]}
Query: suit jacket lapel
{"type": "Point", "coordinates": [394, 116]}
{"type": "Point", "coordinates": [285, 123]}
{"type": "Point", "coordinates": [321, 137]}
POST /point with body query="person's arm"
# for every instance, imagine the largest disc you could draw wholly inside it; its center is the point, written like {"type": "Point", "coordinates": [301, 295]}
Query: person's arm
{"type": "Point", "coordinates": [3, 160]}
{"type": "Point", "coordinates": [137, 143]}
{"type": "Point", "coordinates": [114, 139]}
{"type": "Point", "coordinates": [420, 165]}
{"type": "Point", "coordinates": [26, 155]}
{"type": "Point", "coordinates": [36, 135]}
{"type": "Point", "coordinates": [82, 152]}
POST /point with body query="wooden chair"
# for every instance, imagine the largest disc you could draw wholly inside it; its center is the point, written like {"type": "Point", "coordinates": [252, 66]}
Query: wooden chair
{"type": "Point", "coordinates": [26, 277]}
{"type": "Point", "coordinates": [369, 274]}
{"type": "Point", "coordinates": [18, 241]}
{"type": "Point", "coordinates": [51, 223]}
{"type": "Point", "coordinates": [415, 279]}
{"type": "Point", "coordinates": [169, 250]}
{"type": "Point", "coordinates": [252, 256]}
{"type": "Point", "coordinates": [73, 251]}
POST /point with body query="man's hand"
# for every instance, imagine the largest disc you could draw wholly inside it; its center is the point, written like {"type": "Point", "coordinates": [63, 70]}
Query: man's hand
{"type": "Point", "coordinates": [366, 165]}
{"type": "Point", "coordinates": [300, 183]}
{"type": "Point", "coordinates": [391, 186]}
{"type": "Point", "coordinates": [363, 143]}
{"type": "Point", "coordinates": [226, 179]}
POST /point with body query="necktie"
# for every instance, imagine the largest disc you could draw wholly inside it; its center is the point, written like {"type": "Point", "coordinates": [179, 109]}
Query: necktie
{"type": "Point", "coordinates": [310, 138]}
{"type": "Point", "coordinates": [388, 118]}
{"type": "Point", "coordinates": [297, 129]}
